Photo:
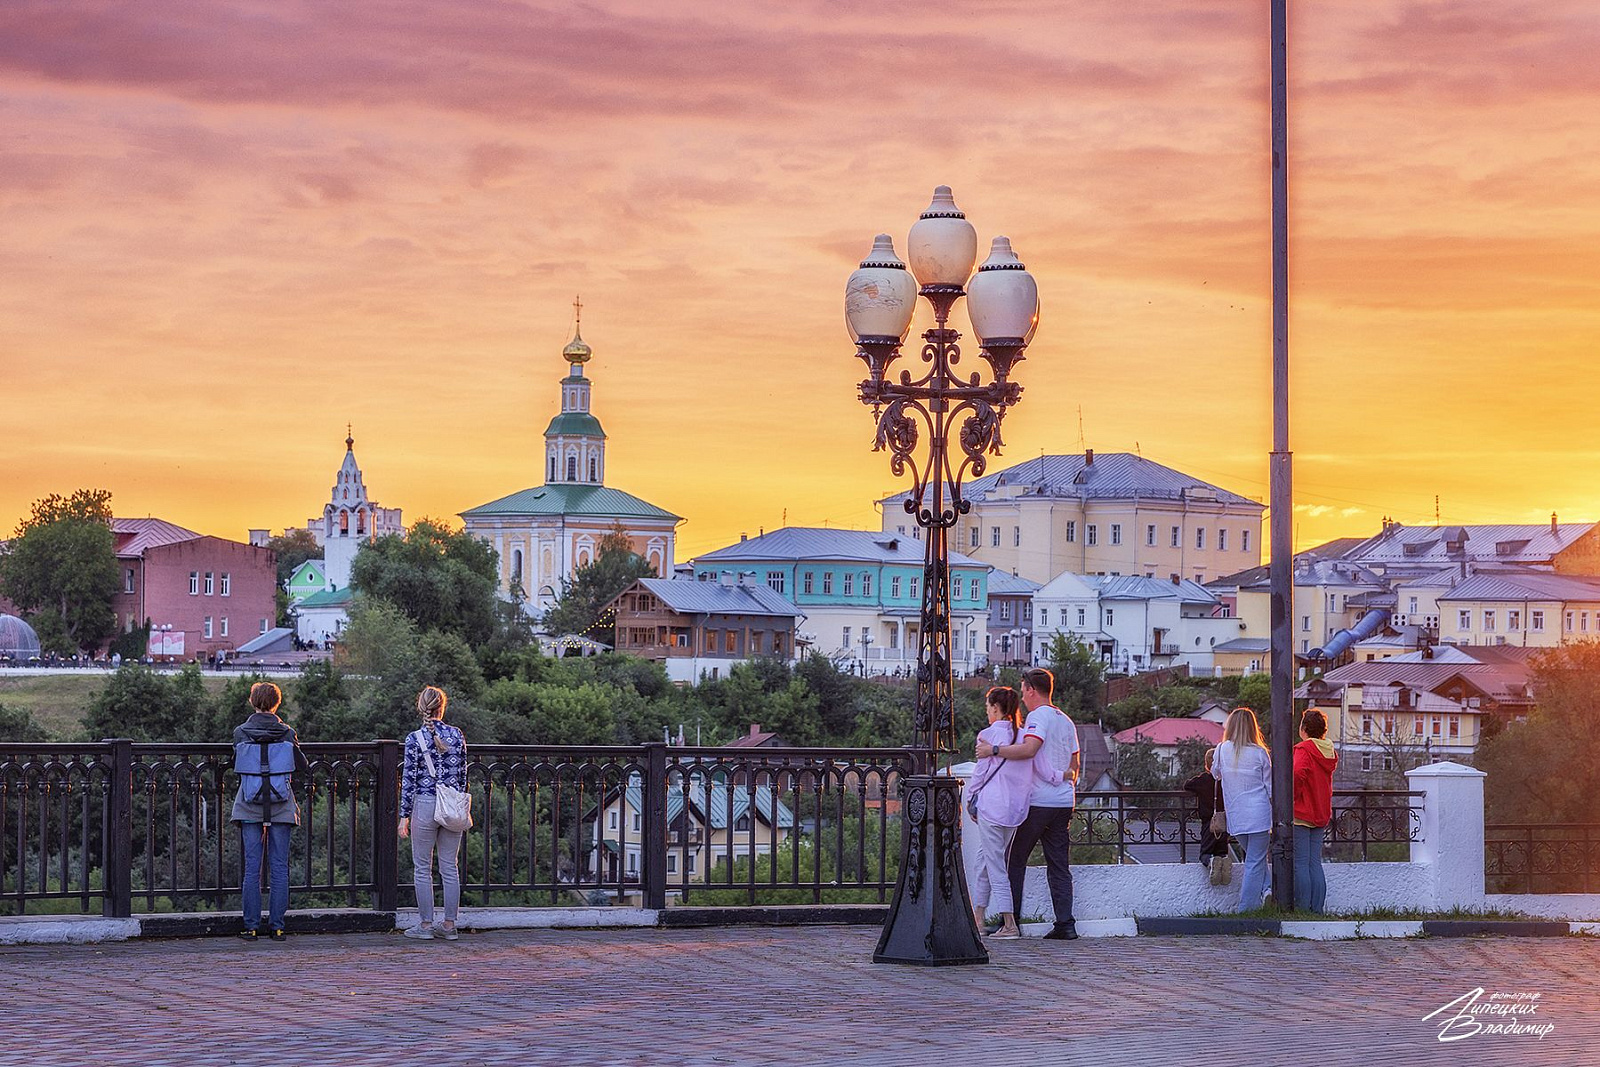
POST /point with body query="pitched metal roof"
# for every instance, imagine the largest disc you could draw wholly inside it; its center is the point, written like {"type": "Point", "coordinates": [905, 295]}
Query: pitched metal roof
{"type": "Point", "coordinates": [1135, 587]}
{"type": "Point", "coordinates": [714, 598]}
{"type": "Point", "coordinates": [1171, 730]}
{"type": "Point", "coordinates": [1003, 583]}
{"type": "Point", "coordinates": [1502, 678]}
{"type": "Point", "coordinates": [135, 536]}
{"type": "Point", "coordinates": [556, 498]}
{"type": "Point", "coordinates": [328, 598]}
{"type": "Point", "coordinates": [1101, 476]}
{"type": "Point", "coordinates": [717, 805]}
{"type": "Point", "coordinates": [266, 641]}
{"type": "Point", "coordinates": [1245, 644]}
{"type": "Point", "coordinates": [846, 546]}
{"type": "Point", "coordinates": [1535, 543]}
{"type": "Point", "coordinates": [1524, 586]}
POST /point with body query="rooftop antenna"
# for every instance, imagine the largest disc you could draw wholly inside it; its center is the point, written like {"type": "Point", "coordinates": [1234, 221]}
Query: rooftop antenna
{"type": "Point", "coordinates": [1082, 444]}
{"type": "Point", "coordinates": [1137, 451]}
{"type": "Point", "coordinates": [1436, 520]}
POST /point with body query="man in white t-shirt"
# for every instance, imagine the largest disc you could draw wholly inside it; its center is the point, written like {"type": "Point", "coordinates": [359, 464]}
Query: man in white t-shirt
{"type": "Point", "coordinates": [1049, 730]}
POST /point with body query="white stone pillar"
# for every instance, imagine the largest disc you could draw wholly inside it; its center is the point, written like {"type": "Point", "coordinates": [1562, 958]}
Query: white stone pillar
{"type": "Point", "coordinates": [969, 825]}
{"type": "Point", "coordinates": [1450, 844]}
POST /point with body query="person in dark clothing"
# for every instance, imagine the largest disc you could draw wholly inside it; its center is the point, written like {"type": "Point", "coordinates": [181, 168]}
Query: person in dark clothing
{"type": "Point", "coordinates": [1208, 799]}
{"type": "Point", "coordinates": [267, 757]}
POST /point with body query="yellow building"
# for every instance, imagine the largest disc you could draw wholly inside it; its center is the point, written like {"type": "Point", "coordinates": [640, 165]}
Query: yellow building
{"type": "Point", "coordinates": [1527, 608]}
{"type": "Point", "coordinates": [1112, 514]}
{"type": "Point", "coordinates": [1329, 595]}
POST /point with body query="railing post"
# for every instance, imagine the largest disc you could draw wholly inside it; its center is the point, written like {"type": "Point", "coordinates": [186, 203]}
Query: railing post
{"type": "Point", "coordinates": [386, 828]}
{"type": "Point", "coordinates": [118, 871]}
{"type": "Point", "coordinates": [655, 825]}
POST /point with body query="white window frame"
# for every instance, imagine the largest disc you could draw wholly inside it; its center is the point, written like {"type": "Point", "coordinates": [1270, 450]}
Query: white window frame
{"type": "Point", "coordinates": [1116, 533]}
{"type": "Point", "coordinates": [1150, 535]}
{"type": "Point", "coordinates": [1177, 537]}
{"type": "Point", "coordinates": [194, 583]}
{"type": "Point", "coordinates": [211, 583]}
{"type": "Point", "coordinates": [1200, 538]}
{"type": "Point", "coordinates": [1091, 534]}
{"type": "Point", "coordinates": [1464, 620]}
{"type": "Point", "coordinates": [226, 588]}
{"type": "Point", "coordinates": [994, 537]}
{"type": "Point", "coordinates": [1222, 539]}
{"type": "Point", "coordinates": [1072, 531]}
{"type": "Point", "coordinates": [224, 632]}
{"type": "Point", "coordinates": [208, 628]}
{"type": "Point", "coordinates": [894, 586]}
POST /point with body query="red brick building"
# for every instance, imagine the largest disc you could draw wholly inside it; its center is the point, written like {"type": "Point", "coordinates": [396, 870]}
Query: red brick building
{"type": "Point", "coordinates": [208, 592]}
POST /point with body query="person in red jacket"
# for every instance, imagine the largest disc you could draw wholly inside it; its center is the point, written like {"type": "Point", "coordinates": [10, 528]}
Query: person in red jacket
{"type": "Point", "coordinates": [1314, 760]}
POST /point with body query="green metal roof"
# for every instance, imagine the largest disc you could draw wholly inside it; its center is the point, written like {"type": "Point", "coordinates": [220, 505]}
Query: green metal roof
{"type": "Point", "coordinates": [575, 499]}
{"type": "Point", "coordinates": [575, 424]}
{"type": "Point", "coordinates": [328, 598]}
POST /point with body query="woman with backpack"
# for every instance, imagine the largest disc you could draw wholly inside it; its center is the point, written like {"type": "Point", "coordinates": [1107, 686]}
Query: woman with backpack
{"type": "Point", "coordinates": [266, 756]}
{"type": "Point", "coordinates": [1244, 767]}
{"type": "Point", "coordinates": [999, 801]}
{"type": "Point", "coordinates": [435, 766]}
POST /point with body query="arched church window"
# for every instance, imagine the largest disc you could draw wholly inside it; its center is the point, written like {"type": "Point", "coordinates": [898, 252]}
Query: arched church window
{"type": "Point", "coordinates": [572, 468]}
{"type": "Point", "coordinates": [516, 566]}
{"type": "Point", "coordinates": [594, 468]}
{"type": "Point", "coordinates": [344, 524]}
{"type": "Point", "coordinates": [361, 523]}
{"type": "Point", "coordinates": [552, 468]}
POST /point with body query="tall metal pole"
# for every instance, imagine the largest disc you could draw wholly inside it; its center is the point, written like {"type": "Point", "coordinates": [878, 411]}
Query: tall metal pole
{"type": "Point", "coordinates": [1282, 495]}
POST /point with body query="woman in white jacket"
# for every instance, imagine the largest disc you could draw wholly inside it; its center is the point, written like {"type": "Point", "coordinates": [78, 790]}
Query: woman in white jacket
{"type": "Point", "coordinates": [1244, 767]}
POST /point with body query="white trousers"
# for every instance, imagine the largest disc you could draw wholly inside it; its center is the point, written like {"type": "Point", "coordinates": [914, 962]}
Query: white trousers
{"type": "Point", "coordinates": [991, 888]}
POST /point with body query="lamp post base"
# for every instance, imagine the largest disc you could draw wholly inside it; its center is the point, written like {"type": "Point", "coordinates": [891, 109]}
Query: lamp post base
{"type": "Point", "coordinates": [930, 922]}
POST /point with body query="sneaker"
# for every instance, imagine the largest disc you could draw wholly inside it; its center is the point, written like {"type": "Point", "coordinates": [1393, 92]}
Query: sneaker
{"type": "Point", "coordinates": [449, 932]}
{"type": "Point", "coordinates": [421, 932]}
{"type": "Point", "coordinates": [279, 935]}
{"type": "Point", "coordinates": [248, 935]}
{"type": "Point", "coordinates": [1062, 932]}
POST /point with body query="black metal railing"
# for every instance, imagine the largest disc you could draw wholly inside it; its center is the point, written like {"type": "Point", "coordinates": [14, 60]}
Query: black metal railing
{"type": "Point", "coordinates": [1542, 858]}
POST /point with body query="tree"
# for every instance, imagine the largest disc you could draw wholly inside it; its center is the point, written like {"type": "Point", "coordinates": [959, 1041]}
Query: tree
{"type": "Point", "coordinates": [293, 547]}
{"type": "Point", "coordinates": [18, 727]}
{"type": "Point", "coordinates": [1174, 701]}
{"type": "Point", "coordinates": [1079, 675]}
{"type": "Point", "coordinates": [440, 579]}
{"type": "Point", "coordinates": [615, 567]}
{"type": "Point", "coordinates": [61, 569]}
{"type": "Point", "coordinates": [146, 705]}
{"type": "Point", "coordinates": [1542, 769]}
{"type": "Point", "coordinates": [1140, 767]}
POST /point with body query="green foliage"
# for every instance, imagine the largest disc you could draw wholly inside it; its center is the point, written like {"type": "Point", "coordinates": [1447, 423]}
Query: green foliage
{"type": "Point", "coordinates": [1542, 770]}
{"type": "Point", "coordinates": [131, 644]}
{"type": "Point", "coordinates": [584, 597]}
{"type": "Point", "coordinates": [1140, 767]}
{"type": "Point", "coordinates": [1079, 674]}
{"type": "Point", "coordinates": [439, 579]}
{"type": "Point", "coordinates": [18, 727]}
{"type": "Point", "coordinates": [1255, 693]}
{"type": "Point", "coordinates": [61, 569]}
{"type": "Point", "coordinates": [293, 548]}
{"type": "Point", "coordinates": [148, 705]}
{"type": "Point", "coordinates": [1147, 704]}
{"type": "Point", "coordinates": [321, 702]}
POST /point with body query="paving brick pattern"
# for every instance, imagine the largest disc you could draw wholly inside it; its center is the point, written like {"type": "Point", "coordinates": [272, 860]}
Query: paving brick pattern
{"type": "Point", "coordinates": [785, 996]}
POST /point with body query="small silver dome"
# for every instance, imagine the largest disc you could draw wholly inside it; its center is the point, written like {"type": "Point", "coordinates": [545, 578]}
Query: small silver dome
{"type": "Point", "coordinates": [17, 638]}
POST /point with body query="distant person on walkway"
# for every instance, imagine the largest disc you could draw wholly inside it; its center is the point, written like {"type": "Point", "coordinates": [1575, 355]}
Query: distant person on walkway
{"type": "Point", "coordinates": [1208, 795]}
{"type": "Point", "coordinates": [1314, 761]}
{"type": "Point", "coordinates": [1244, 767]}
{"type": "Point", "coordinates": [1047, 730]}
{"type": "Point", "coordinates": [266, 756]}
{"type": "Point", "coordinates": [1000, 790]}
{"type": "Point", "coordinates": [445, 748]}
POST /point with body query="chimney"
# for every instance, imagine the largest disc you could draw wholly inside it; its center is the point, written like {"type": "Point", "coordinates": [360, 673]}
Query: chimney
{"type": "Point", "coordinates": [755, 729]}
{"type": "Point", "coordinates": [1088, 457]}
{"type": "Point", "coordinates": [744, 537]}
{"type": "Point", "coordinates": [1554, 528]}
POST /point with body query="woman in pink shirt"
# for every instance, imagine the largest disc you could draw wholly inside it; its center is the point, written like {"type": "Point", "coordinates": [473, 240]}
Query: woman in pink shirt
{"type": "Point", "coordinates": [1000, 792]}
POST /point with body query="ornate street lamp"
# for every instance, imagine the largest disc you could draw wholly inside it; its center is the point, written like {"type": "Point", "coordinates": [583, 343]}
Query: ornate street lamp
{"type": "Point", "coordinates": [918, 412]}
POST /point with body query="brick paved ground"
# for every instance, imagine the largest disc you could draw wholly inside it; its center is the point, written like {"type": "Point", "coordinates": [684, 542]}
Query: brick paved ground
{"type": "Point", "coordinates": [790, 996]}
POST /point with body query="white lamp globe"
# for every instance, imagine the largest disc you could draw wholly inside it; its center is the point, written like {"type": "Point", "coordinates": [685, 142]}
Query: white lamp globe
{"type": "Point", "coordinates": [1003, 299]}
{"type": "Point", "coordinates": [942, 245]}
{"type": "Point", "coordinates": [881, 295]}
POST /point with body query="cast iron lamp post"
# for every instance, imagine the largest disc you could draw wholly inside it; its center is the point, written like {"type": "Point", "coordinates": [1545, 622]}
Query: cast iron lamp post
{"type": "Point", "coordinates": [930, 921]}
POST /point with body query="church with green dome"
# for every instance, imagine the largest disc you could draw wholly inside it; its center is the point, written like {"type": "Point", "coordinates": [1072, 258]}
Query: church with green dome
{"type": "Point", "coordinates": [545, 533]}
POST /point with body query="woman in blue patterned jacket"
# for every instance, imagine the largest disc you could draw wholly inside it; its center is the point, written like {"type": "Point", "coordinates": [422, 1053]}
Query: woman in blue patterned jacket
{"type": "Point", "coordinates": [442, 745]}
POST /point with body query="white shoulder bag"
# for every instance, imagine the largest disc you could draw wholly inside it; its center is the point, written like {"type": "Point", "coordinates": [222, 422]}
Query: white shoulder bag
{"type": "Point", "coordinates": [452, 808]}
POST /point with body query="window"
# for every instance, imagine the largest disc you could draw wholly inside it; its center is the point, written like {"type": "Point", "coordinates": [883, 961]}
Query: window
{"type": "Point", "coordinates": [1116, 533]}
{"type": "Point", "coordinates": [672, 863]}
{"type": "Point", "coordinates": [1388, 725]}
{"type": "Point", "coordinates": [1177, 536]}
{"type": "Point", "coordinates": [894, 586]}
{"type": "Point", "coordinates": [994, 536]}
{"type": "Point", "coordinates": [956, 586]}
{"type": "Point", "coordinates": [633, 863]}
{"type": "Point", "coordinates": [915, 582]}
{"type": "Point", "coordinates": [775, 581]}
{"type": "Point", "coordinates": [594, 469]}
{"type": "Point", "coordinates": [1569, 620]}
{"type": "Point", "coordinates": [1244, 540]}
{"type": "Point", "coordinates": [552, 469]}
{"type": "Point", "coordinates": [805, 582]}
{"type": "Point", "coordinates": [1005, 611]}
{"type": "Point", "coordinates": [227, 584]}
{"type": "Point", "coordinates": [1464, 619]}
{"type": "Point", "coordinates": [1044, 616]}
{"type": "Point", "coordinates": [730, 641]}
{"type": "Point", "coordinates": [263, 626]}
{"type": "Point", "coordinates": [1536, 621]}
{"type": "Point", "coordinates": [211, 583]}
{"type": "Point", "coordinates": [1082, 615]}
{"type": "Point", "coordinates": [1200, 537]}
{"type": "Point", "coordinates": [224, 626]}
{"type": "Point", "coordinates": [894, 636]}
{"type": "Point", "coordinates": [711, 640]}
{"type": "Point", "coordinates": [1455, 726]}
{"type": "Point", "coordinates": [1072, 531]}
{"type": "Point", "coordinates": [1488, 620]}
{"type": "Point", "coordinates": [1413, 605]}
{"type": "Point", "coordinates": [955, 637]}
{"type": "Point", "coordinates": [638, 826]}
{"type": "Point", "coordinates": [1150, 535]}
{"type": "Point", "coordinates": [1388, 762]}
{"type": "Point", "coordinates": [846, 637]}
{"type": "Point", "coordinates": [1436, 725]}
{"type": "Point", "coordinates": [1111, 616]}
{"type": "Point", "coordinates": [741, 825]}
{"type": "Point", "coordinates": [972, 536]}
{"type": "Point", "coordinates": [1583, 621]}
{"type": "Point", "coordinates": [827, 583]}
{"type": "Point", "coordinates": [1366, 761]}
{"type": "Point", "coordinates": [208, 627]}
{"type": "Point", "coordinates": [1366, 724]}
{"type": "Point", "coordinates": [572, 468]}
{"type": "Point", "coordinates": [1016, 537]}
{"type": "Point", "coordinates": [615, 822]}
{"type": "Point", "coordinates": [1416, 725]}
{"type": "Point", "coordinates": [1027, 611]}
{"type": "Point", "coordinates": [1305, 624]}
{"type": "Point", "coordinates": [1222, 540]}
{"type": "Point", "coordinates": [866, 585]}
{"type": "Point", "coordinates": [691, 862]}
{"type": "Point", "coordinates": [127, 584]}
{"type": "Point", "coordinates": [850, 584]}
{"type": "Point", "coordinates": [1091, 534]}
{"type": "Point", "coordinates": [1513, 619]}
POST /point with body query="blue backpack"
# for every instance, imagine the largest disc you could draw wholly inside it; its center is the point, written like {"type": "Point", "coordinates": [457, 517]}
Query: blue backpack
{"type": "Point", "coordinates": [264, 769]}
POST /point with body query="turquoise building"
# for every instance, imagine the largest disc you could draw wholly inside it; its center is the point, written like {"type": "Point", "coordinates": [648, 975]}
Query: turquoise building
{"type": "Point", "coordinates": [861, 592]}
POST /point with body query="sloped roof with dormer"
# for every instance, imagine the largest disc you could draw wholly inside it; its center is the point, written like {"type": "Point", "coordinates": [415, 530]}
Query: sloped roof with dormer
{"type": "Point", "coordinates": [714, 598]}
{"type": "Point", "coordinates": [1101, 476]}
{"type": "Point", "coordinates": [1440, 545]}
{"type": "Point", "coordinates": [1528, 585]}
{"type": "Point", "coordinates": [845, 546]}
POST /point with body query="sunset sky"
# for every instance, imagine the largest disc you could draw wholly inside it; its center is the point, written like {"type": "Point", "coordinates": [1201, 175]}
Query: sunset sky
{"type": "Point", "coordinates": [226, 228]}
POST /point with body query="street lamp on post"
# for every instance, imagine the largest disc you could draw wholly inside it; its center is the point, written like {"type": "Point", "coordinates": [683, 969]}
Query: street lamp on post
{"type": "Point", "coordinates": [866, 639]}
{"type": "Point", "coordinates": [930, 920]}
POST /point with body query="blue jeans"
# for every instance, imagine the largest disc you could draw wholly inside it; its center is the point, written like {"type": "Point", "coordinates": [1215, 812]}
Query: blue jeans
{"type": "Point", "coordinates": [275, 836]}
{"type": "Point", "coordinates": [1310, 887]}
{"type": "Point", "coordinates": [1254, 884]}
